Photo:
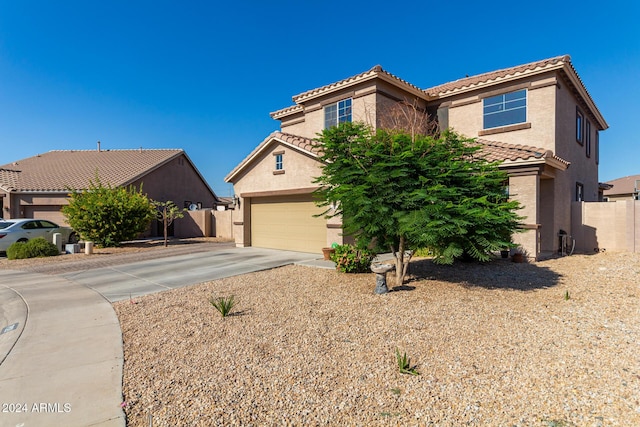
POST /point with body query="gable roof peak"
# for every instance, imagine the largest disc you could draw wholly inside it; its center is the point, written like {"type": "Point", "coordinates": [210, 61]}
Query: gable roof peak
{"type": "Point", "coordinates": [375, 72]}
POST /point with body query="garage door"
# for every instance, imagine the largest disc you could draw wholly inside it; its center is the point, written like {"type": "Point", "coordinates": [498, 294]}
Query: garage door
{"type": "Point", "coordinates": [287, 223]}
{"type": "Point", "coordinates": [51, 213]}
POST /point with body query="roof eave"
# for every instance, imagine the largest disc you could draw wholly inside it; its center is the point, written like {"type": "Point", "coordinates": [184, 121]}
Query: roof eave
{"type": "Point", "coordinates": [537, 161]}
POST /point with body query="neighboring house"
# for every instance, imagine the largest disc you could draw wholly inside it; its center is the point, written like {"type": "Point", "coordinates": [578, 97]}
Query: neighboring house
{"type": "Point", "coordinates": [626, 188]}
{"type": "Point", "coordinates": [38, 187]}
{"type": "Point", "coordinates": [537, 118]}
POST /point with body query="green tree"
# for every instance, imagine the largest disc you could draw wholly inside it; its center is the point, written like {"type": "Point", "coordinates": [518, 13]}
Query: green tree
{"type": "Point", "coordinates": [403, 192]}
{"type": "Point", "coordinates": [167, 212]}
{"type": "Point", "coordinates": [109, 216]}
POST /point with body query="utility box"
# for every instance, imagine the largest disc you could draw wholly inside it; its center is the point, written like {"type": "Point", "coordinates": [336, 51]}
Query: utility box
{"type": "Point", "coordinates": [72, 248]}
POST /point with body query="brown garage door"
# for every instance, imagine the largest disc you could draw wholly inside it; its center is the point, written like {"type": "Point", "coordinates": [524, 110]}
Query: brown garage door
{"type": "Point", "coordinates": [287, 223]}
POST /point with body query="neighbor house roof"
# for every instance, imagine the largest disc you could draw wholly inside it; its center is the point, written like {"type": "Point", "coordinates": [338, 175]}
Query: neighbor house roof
{"type": "Point", "coordinates": [61, 170]}
{"type": "Point", "coordinates": [561, 63]}
{"type": "Point", "coordinates": [625, 185]}
{"type": "Point", "coordinates": [493, 151]}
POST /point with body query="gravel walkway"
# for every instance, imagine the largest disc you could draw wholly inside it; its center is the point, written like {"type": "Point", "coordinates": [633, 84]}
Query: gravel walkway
{"type": "Point", "coordinates": [495, 345]}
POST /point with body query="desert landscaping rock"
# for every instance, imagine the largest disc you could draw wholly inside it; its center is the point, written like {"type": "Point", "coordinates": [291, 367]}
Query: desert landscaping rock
{"type": "Point", "coordinates": [502, 344]}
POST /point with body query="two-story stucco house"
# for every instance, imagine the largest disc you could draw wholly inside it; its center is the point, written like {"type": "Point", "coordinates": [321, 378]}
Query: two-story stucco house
{"type": "Point", "coordinates": [537, 118]}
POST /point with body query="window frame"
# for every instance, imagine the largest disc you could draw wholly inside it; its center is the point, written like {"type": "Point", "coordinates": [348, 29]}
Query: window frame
{"type": "Point", "coordinates": [503, 108]}
{"type": "Point", "coordinates": [338, 112]}
{"type": "Point", "coordinates": [279, 158]}
{"type": "Point", "coordinates": [579, 124]}
{"type": "Point", "coordinates": [579, 192]}
{"type": "Point", "coordinates": [597, 147]}
{"type": "Point", "coordinates": [587, 137]}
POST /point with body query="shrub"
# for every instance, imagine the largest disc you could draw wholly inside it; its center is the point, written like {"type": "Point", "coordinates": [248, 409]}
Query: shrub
{"type": "Point", "coordinates": [108, 216]}
{"type": "Point", "coordinates": [352, 259]}
{"type": "Point", "coordinates": [223, 305]}
{"type": "Point", "coordinates": [34, 248]}
{"type": "Point", "coordinates": [404, 364]}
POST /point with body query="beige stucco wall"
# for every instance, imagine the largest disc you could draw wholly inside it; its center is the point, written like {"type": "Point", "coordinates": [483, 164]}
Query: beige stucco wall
{"type": "Point", "coordinates": [194, 224]}
{"type": "Point", "coordinates": [223, 223]}
{"type": "Point", "coordinates": [525, 189]}
{"type": "Point", "coordinates": [613, 226]}
{"type": "Point", "coordinates": [466, 115]}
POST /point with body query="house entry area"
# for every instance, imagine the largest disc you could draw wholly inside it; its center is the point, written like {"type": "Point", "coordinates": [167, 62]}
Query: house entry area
{"type": "Point", "coordinates": [288, 223]}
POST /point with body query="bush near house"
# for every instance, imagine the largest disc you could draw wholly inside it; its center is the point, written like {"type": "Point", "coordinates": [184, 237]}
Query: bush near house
{"type": "Point", "coordinates": [34, 248]}
{"type": "Point", "coordinates": [352, 259]}
{"type": "Point", "coordinates": [109, 216]}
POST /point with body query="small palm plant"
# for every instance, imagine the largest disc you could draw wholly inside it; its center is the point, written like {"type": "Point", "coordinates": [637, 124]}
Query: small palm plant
{"type": "Point", "coordinates": [223, 305]}
{"type": "Point", "coordinates": [404, 364]}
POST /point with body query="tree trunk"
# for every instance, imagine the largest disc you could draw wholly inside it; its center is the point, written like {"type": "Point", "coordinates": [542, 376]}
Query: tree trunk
{"type": "Point", "coordinates": [165, 226]}
{"type": "Point", "coordinates": [402, 261]}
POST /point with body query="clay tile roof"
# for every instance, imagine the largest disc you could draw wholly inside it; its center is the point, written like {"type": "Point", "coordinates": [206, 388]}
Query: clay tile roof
{"type": "Point", "coordinates": [8, 179]}
{"type": "Point", "coordinates": [374, 72]}
{"type": "Point", "coordinates": [306, 144]}
{"type": "Point", "coordinates": [502, 152]}
{"type": "Point", "coordinates": [60, 170]}
{"type": "Point", "coordinates": [493, 76]}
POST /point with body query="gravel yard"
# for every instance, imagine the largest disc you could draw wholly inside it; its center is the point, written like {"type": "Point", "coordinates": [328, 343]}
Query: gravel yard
{"type": "Point", "coordinates": [555, 343]}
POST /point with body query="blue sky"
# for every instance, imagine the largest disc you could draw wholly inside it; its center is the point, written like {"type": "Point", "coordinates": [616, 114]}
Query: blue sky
{"type": "Point", "coordinates": [204, 76]}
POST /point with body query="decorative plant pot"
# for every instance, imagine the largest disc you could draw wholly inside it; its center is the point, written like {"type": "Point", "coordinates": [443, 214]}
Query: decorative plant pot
{"type": "Point", "coordinates": [517, 257]}
{"type": "Point", "coordinates": [327, 252]}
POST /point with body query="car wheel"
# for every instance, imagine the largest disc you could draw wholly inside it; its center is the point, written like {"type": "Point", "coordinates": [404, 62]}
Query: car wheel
{"type": "Point", "coordinates": [23, 240]}
{"type": "Point", "coordinates": [73, 238]}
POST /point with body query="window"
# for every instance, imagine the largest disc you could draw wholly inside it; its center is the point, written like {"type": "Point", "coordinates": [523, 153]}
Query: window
{"type": "Point", "coordinates": [597, 147]}
{"type": "Point", "coordinates": [339, 112]}
{"type": "Point", "coordinates": [579, 192]}
{"type": "Point", "coordinates": [579, 127]}
{"type": "Point", "coordinates": [587, 137]}
{"type": "Point", "coordinates": [506, 109]}
{"type": "Point", "coordinates": [279, 166]}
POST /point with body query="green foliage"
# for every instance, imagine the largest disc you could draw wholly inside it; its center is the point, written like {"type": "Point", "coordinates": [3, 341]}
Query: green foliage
{"type": "Point", "coordinates": [352, 259]}
{"type": "Point", "coordinates": [404, 364]}
{"type": "Point", "coordinates": [109, 216]}
{"type": "Point", "coordinates": [407, 192]}
{"type": "Point", "coordinates": [167, 212]}
{"type": "Point", "coordinates": [34, 248]}
{"type": "Point", "coordinates": [223, 305]}
{"type": "Point", "coordinates": [567, 297]}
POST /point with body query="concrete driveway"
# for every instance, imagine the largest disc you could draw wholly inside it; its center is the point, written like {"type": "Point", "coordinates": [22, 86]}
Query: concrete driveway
{"type": "Point", "coordinates": [120, 282]}
{"type": "Point", "coordinates": [61, 356]}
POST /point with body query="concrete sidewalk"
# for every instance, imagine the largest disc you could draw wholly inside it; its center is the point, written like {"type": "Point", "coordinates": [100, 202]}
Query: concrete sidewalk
{"type": "Point", "coordinates": [62, 352]}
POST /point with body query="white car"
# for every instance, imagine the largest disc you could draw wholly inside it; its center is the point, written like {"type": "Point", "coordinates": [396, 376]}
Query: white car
{"type": "Point", "coordinates": [22, 230]}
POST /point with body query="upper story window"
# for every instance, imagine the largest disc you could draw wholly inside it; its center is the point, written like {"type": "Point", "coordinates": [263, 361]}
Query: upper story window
{"type": "Point", "coordinates": [506, 109]}
{"type": "Point", "coordinates": [597, 147]}
{"type": "Point", "coordinates": [338, 112]}
{"type": "Point", "coordinates": [579, 120]}
{"type": "Point", "coordinates": [279, 165]}
{"type": "Point", "coordinates": [587, 137]}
